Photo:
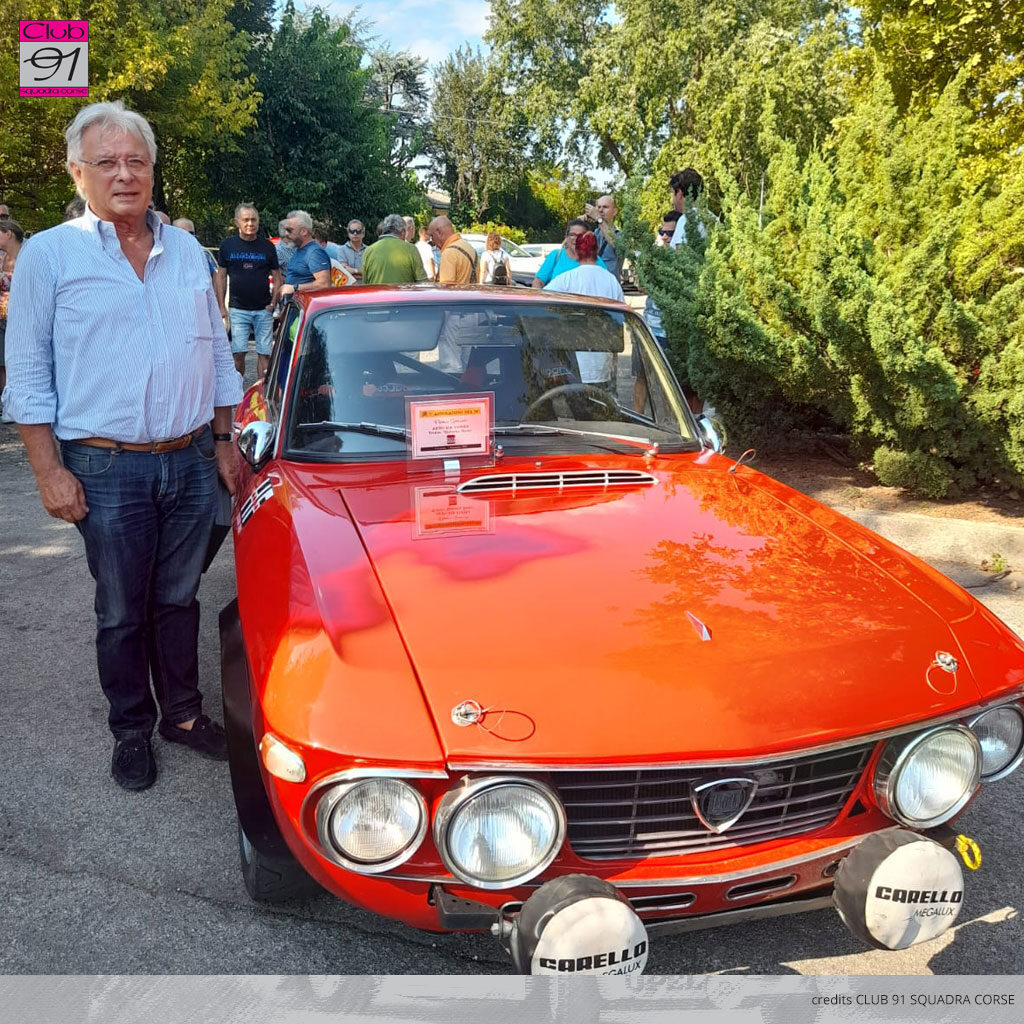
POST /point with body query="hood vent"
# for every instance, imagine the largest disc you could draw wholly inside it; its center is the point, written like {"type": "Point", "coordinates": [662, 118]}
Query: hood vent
{"type": "Point", "coordinates": [516, 482]}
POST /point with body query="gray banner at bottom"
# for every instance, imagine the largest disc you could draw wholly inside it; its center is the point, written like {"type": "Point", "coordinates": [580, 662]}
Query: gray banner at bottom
{"type": "Point", "coordinates": [715, 999]}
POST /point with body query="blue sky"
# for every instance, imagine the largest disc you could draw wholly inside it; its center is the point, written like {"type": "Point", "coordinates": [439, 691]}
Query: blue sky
{"type": "Point", "coordinates": [431, 29]}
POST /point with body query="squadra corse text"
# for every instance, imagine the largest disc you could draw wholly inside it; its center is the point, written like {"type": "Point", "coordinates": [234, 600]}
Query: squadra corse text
{"type": "Point", "coordinates": [898, 999]}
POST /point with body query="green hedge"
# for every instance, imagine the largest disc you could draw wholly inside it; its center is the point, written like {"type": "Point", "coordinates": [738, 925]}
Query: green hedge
{"type": "Point", "coordinates": [879, 288]}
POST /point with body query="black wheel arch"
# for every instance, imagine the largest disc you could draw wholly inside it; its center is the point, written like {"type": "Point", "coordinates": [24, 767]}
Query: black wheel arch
{"type": "Point", "coordinates": [254, 811]}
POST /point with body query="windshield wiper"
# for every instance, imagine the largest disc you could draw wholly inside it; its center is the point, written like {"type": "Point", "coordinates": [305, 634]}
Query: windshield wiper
{"type": "Point", "coordinates": [376, 429]}
{"type": "Point", "coordinates": [540, 429]}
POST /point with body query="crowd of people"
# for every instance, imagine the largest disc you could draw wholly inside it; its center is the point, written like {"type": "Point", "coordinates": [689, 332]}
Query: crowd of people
{"type": "Point", "coordinates": [252, 274]}
{"type": "Point", "coordinates": [127, 431]}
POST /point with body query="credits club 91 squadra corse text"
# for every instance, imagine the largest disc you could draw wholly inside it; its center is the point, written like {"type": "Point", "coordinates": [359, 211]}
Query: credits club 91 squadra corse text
{"type": "Point", "coordinates": [924, 999]}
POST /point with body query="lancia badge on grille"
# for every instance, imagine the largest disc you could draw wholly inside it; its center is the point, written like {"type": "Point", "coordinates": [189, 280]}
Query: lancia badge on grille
{"type": "Point", "coordinates": [719, 804]}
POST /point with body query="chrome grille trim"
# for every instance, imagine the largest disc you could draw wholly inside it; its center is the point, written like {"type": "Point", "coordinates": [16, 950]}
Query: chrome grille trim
{"type": "Point", "coordinates": [647, 812]}
{"type": "Point", "coordinates": [516, 482]}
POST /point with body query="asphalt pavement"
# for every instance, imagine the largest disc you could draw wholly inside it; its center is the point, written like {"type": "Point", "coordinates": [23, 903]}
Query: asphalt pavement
{"type": "Point", "coordinates": [97, 880]}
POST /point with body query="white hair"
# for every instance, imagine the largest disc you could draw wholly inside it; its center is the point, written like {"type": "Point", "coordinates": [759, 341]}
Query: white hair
{"type": "Point", "coordinates": [302, 218]}
{"type": "Point", "coordinates": [393, 224]}
{"type": "Point", "coordinates": [112, 117]}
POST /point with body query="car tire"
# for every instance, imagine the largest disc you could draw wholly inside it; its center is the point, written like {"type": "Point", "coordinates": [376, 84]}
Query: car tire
{"type": "Point", "coordinates": [271, 879]}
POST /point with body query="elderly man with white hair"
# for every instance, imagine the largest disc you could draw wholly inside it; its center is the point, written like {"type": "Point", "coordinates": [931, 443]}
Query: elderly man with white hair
{"type": "Point", "coordinates": [391, 259]}
{"type": "Point", "coordinates": [117, 365]}
{"type": "Point", "coordinates": [310, 266]}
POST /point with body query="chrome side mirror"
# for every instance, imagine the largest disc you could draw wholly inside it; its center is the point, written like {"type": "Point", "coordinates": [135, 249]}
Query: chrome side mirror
{"type": "Point", "coordinates": [256, 441]}
{"type": "Point", "coordinates": [710, 433]}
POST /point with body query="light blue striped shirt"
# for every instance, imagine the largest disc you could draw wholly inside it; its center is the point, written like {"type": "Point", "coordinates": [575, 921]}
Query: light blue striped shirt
{"type": "Point", "coordinates": [96, 352]}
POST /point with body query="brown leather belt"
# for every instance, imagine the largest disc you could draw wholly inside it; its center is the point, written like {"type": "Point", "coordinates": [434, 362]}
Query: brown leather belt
{"type": "Point", "coordinates": [153, 447]}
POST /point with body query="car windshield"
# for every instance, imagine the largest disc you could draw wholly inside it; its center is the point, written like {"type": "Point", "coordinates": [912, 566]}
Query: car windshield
{"type": "Point", "coordinates": [564, 376]}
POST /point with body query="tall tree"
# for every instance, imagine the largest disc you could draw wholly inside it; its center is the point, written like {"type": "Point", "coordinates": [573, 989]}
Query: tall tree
{"type": "Point", "coordinates": [544, 49]}
{"type": "Point", "coordinates": [317, 144]}
{"type": "Point", "coordinates": [922, 45]}
{"type": "Point", "coordinates": [477, 138]}
{"type": "Point", "coordinates": [398, 87]}
{"type": "Point", "coordinates": [878, 290]}
{"type": "Point", "coordinates": [634, 75]}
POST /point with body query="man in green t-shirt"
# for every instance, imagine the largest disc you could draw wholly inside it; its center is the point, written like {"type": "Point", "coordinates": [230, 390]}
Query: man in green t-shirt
{"type": "Point", "coordinates": [391, 259]}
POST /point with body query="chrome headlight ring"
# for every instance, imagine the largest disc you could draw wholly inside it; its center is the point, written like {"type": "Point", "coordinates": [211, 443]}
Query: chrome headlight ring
{"type": "Point", "coordinates": [1014, 761]}
{"type": "Point", "coordinates": [457, 798]}
{"type": "Point", "coordinates": [330, 800]}
{"type": "Point", "coordinates": [895, 759]}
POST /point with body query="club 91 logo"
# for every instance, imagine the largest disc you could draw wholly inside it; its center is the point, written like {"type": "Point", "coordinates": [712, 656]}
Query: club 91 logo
{"type": "Point", "coordinates": [53, 58]}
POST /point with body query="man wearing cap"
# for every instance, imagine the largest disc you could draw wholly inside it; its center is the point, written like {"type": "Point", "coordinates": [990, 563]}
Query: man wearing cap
{"type": "Point", "coordinates": [117, 364]}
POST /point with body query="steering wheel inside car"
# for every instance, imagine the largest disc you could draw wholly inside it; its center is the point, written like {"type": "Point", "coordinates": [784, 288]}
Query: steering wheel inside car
{"type": "Point", "coordinates": [583, 390]}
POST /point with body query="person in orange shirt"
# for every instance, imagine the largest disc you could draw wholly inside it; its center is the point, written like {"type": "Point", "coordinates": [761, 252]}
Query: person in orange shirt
{"type": "Point", "coordinates": [458, 257]}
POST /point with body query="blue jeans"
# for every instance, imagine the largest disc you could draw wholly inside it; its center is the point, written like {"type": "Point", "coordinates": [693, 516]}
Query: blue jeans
{"type": "Point", "coordinates": [262, 323]}
{"type": "Point", "coordinates": [145, 538]}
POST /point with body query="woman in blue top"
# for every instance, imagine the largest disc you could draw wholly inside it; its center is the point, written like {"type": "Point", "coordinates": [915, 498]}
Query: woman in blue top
{"type": "Point", "coordinates": [561, 260]}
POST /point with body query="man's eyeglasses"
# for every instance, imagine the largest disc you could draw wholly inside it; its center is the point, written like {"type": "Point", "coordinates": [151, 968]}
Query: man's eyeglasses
{"type": "Point", "coordinates": [666, 234]}
{"type": "Point", "coordinates": [355, 231]}
{"type": "Point", "coordinates": [110, 167]}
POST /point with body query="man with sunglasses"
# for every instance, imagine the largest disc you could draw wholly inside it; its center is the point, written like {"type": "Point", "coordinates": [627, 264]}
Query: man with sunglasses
{"type": "Point", "coordinates": [561, 260]}
{"type": "Point", "coordinates": [662, 238]}
{"type": "Point", "coordinates": [353, 250]}
{"type": "Point", "coordinates": [652, 315]}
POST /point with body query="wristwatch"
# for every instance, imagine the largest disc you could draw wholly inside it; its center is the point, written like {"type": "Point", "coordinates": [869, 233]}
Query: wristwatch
{"type": "Point", "coordinates": [224, 438]}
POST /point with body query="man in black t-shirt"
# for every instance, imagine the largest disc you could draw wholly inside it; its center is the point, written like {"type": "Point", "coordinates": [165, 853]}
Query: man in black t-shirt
{"type": "Point", "coordinates": [250, 265]}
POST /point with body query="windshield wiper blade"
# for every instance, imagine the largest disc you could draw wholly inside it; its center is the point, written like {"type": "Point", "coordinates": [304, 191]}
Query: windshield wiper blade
{"type": "Point", "coordinates": [540, 429]}
{"type": "Point", "coordinates": [377, 429]}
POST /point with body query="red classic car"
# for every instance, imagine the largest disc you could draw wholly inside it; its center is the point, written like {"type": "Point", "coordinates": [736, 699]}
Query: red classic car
{"type": "Point", "coordinates": [517, 649]}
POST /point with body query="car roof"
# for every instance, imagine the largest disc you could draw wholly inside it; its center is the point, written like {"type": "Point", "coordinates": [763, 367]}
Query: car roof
{"type": "Point", "coordinates": [360, 295]}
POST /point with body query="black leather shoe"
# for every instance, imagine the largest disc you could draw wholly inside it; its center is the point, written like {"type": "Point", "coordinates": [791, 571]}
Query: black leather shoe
{"type": "Point", "coordinates": [133, 765]}
{"type": "Point", "coordinates": [205, 737]}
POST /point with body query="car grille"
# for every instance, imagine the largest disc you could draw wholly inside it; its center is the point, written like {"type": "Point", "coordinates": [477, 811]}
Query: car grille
{"type": "Point", "coordinates": [648, 812]}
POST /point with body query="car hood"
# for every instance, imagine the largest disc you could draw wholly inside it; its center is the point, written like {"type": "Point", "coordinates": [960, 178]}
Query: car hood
{"type": "Point", "coordinates": [701, 614]}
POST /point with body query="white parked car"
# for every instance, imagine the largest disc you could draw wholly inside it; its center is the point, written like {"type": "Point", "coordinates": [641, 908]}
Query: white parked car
{"type": "Point", "coordinates": [541, 249]}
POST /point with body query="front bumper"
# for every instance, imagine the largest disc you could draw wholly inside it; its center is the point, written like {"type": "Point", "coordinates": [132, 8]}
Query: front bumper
{"type": "Point", "coordinates": [674, 906]}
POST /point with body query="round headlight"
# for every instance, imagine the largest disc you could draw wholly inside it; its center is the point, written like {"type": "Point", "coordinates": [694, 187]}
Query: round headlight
{"type": "Point", "coordinates": [496, 833]}
{"type": "Point", "coordinates": [371, 825]}
{"type": "Point", "coordinates": [1001, 735]}
{"type": "Point", "coordinates": [923, 780]}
